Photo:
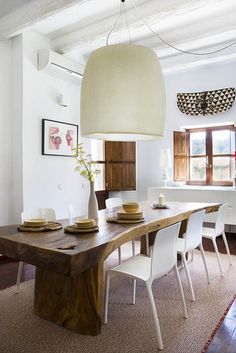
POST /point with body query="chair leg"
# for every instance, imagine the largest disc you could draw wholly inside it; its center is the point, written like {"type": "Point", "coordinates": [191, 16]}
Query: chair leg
{"type": "Point", "coordinates": [188, 277]}
{"type": "Point", "coordinates": [226, 247]}
{"type": "Point", "coordinates": [155, 317]}
{"type": "Point", "coordinates": [192, 255]}
{"type": "Point", "coordinates": [204, 262]}
{"type": "Point", "coordinates": [217, 255]}
{"type": "Point", "coordinates": [134, 291]}
{"type": "Point", "coordinates": [19, 273]}
{"type": "Point", "coordinates": [133, 247]}
{"type": "Point", "coordinates": [119, 255]}
{"type": "Point", "coordinates": [107, 286]}
{"type": "Point", "coordinates": [181, 291]}
{"type": "Point", "coordinates": [147, 243]}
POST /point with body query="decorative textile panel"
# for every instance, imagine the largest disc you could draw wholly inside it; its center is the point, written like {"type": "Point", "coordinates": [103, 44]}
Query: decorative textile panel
{"type": "Point", "coordinates": [206, 103]}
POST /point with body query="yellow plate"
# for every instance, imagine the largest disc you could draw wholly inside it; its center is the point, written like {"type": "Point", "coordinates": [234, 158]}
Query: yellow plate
{"type": "Point", "coordinates": [35, 222]}
{"type": "Point", "coordinates": [85, 223]}
{"type": "Point", "coordinates": [136, 213]}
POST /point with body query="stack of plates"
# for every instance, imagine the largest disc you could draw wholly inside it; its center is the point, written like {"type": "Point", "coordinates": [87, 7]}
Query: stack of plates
{"type": "Point", "coordinates": [35, 223]}
{"type": "Point", "coordinates": [86, 224]}
{"type": "Point", "coordinates": [122, 214]}
{"type": "Point", "coordinates": [130, 211]}
{"type": "Point", "coordinates": [38, 225]}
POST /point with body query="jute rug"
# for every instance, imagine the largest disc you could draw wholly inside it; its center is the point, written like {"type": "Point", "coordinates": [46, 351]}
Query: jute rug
{"type": "Point", "coordinates": [130, 327]}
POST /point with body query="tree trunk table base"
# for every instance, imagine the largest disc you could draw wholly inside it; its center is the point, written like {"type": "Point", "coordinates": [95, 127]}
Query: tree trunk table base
{"type": "Point", "coordinates": [71, 302]}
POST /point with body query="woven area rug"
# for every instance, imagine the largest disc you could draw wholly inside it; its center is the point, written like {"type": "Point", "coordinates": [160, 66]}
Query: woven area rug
{"type": "Point", "coordinates": [130, 327]}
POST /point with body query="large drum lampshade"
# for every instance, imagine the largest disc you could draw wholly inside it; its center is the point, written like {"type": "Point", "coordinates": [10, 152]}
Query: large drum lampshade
{"type": "Point", "coordinates": [123, 94]}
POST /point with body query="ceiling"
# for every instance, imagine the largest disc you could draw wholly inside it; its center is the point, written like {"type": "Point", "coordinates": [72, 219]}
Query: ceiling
{"type": "Point", "coordinates": [76, 28]}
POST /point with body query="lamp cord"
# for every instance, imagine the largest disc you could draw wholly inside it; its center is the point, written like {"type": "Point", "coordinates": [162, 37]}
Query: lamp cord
{"type": "Point", "coordinates": [186, 51]}
{"type": "Point", "coordinates": [127, 23]}
{"type": "Point", "coordinates": [159, 37]}
{"type": "Point", "coordinates": [115, 24]}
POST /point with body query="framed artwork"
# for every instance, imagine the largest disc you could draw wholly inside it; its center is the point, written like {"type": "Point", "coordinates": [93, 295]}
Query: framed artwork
{"type": "Point", "coordinates": [58, 138]}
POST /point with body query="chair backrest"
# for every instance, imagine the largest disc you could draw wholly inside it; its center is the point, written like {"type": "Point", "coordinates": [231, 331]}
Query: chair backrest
{"type": "Point", "coordinates": [71, 214]}
{"type": "Point", "coordinates": [49, 214]}
{"type": "Point", "coordinates": [193, 235]}
{"type": "Point", "coordinates": [164, 254]}
{"type": "Point", "coordinates": [220, 219]}
{"type": "Point", "coordinates": [30, 214]}
{"type": "Point", "coordinates": [113, 202]}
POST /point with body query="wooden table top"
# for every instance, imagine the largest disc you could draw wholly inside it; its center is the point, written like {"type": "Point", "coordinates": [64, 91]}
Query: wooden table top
{"type": "Point", "coordinates": [90, 249]}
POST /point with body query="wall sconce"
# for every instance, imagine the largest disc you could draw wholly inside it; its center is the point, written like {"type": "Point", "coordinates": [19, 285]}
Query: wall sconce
{"type": "Point", "coordinates": [61, 101]}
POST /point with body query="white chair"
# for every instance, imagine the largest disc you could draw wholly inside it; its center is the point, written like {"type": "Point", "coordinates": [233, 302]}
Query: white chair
{"type": "Point", "coordinates": [29, 214]}
{"type": "Point", "coordinates": [113, 202]}
{"type": "Point", "coordinates": [219, 229]}
{"type": "Point", "coordinates": [71, 214]}
{"type": "Point", "coordinates": [47, 213]}
{"type": "Point", "coordinates": [191, 240]}
{"type": "Point", "coordinates": [147, 269]}
{"type": "Point", "coordinates": [116, 202]}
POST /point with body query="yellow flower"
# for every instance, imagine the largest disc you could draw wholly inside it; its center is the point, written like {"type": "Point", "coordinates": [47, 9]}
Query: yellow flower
{"type": "Point", "coordinates": [85, 165]}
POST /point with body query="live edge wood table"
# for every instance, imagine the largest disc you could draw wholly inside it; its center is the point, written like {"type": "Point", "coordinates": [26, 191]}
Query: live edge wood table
{"type": "Point", "coordinates": [69, 268]}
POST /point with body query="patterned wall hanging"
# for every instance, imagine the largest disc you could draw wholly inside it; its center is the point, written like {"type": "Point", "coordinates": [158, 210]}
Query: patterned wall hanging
{"type": "Point", "coordinates": [206, 103]}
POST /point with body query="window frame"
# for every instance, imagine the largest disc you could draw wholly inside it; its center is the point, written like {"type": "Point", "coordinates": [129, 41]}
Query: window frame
{"type": "Point", "coordinates": [209, 155]}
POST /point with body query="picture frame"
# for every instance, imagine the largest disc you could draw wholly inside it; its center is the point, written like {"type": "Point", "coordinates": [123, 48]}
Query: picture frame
{"type": "Point", "coordinates": [59, 138]}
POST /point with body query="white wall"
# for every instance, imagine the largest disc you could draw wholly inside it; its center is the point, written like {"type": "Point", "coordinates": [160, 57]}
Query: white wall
{"type": "Point", "coordinates": [5, 130]}
{"type": "Point", "coordinates": [27, 178]}
{"type": "Point", "coordinates": [48, 181]}
{"type": "Point", "coordinates": [16, 104]}
{"type": "Point", "coordinates": [214, 76]}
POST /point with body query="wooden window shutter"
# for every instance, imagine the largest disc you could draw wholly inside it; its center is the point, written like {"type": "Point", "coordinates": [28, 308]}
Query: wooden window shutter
{"type": "Point", "coordinates": [181, 155]}
{"type": "Point", "coordinates": [120, 159]}
{"type": "Point", "coordinates": [234, 153]}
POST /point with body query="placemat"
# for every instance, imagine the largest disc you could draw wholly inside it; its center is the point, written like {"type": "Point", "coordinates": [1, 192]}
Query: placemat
{"type": "Point", "coordinates": [124, 221]}
{"type": "Point", "coordinates": [74, 229]}
{"type": "Point", "coordinates": [48, 227]}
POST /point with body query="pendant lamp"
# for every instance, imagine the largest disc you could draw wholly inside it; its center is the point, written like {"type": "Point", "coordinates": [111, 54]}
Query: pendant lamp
{"type": "Point", "coordinates": [123, 94]}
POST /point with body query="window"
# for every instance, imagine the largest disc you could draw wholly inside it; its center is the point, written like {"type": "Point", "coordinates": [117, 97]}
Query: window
{"type": "Point", "coordinates": [117, 163]}
{"type": "Point", "coordinates": [205, 156]}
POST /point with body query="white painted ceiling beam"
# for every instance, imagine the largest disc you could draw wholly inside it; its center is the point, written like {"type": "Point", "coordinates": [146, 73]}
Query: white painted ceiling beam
{"type": "Point", "coordinates": [202, 45]}
{"type": "Point", "coordinates": [169, 68]}
{"type": "Point", "coordinates": [15, 16]}
{"type": "Point", "coordinates": [188, 42]}
{"type": "Point", "coordinates": [172, 24]}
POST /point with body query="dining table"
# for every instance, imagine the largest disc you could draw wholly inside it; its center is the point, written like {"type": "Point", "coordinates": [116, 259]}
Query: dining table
{"type": "Point", "coordinates": [69, 277]}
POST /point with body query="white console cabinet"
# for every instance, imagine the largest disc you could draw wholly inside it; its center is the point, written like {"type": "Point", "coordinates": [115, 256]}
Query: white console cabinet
{"type": "Point", "coordinates": [199, 194]}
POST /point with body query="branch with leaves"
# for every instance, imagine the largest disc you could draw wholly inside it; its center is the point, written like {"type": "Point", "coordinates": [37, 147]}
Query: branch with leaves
{"type": "Point", "coordinates": [85, 165]}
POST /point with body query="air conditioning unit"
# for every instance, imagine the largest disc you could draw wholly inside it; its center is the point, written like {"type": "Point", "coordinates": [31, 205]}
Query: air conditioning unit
{"type": "Point", "coordinates": [60, 66]}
